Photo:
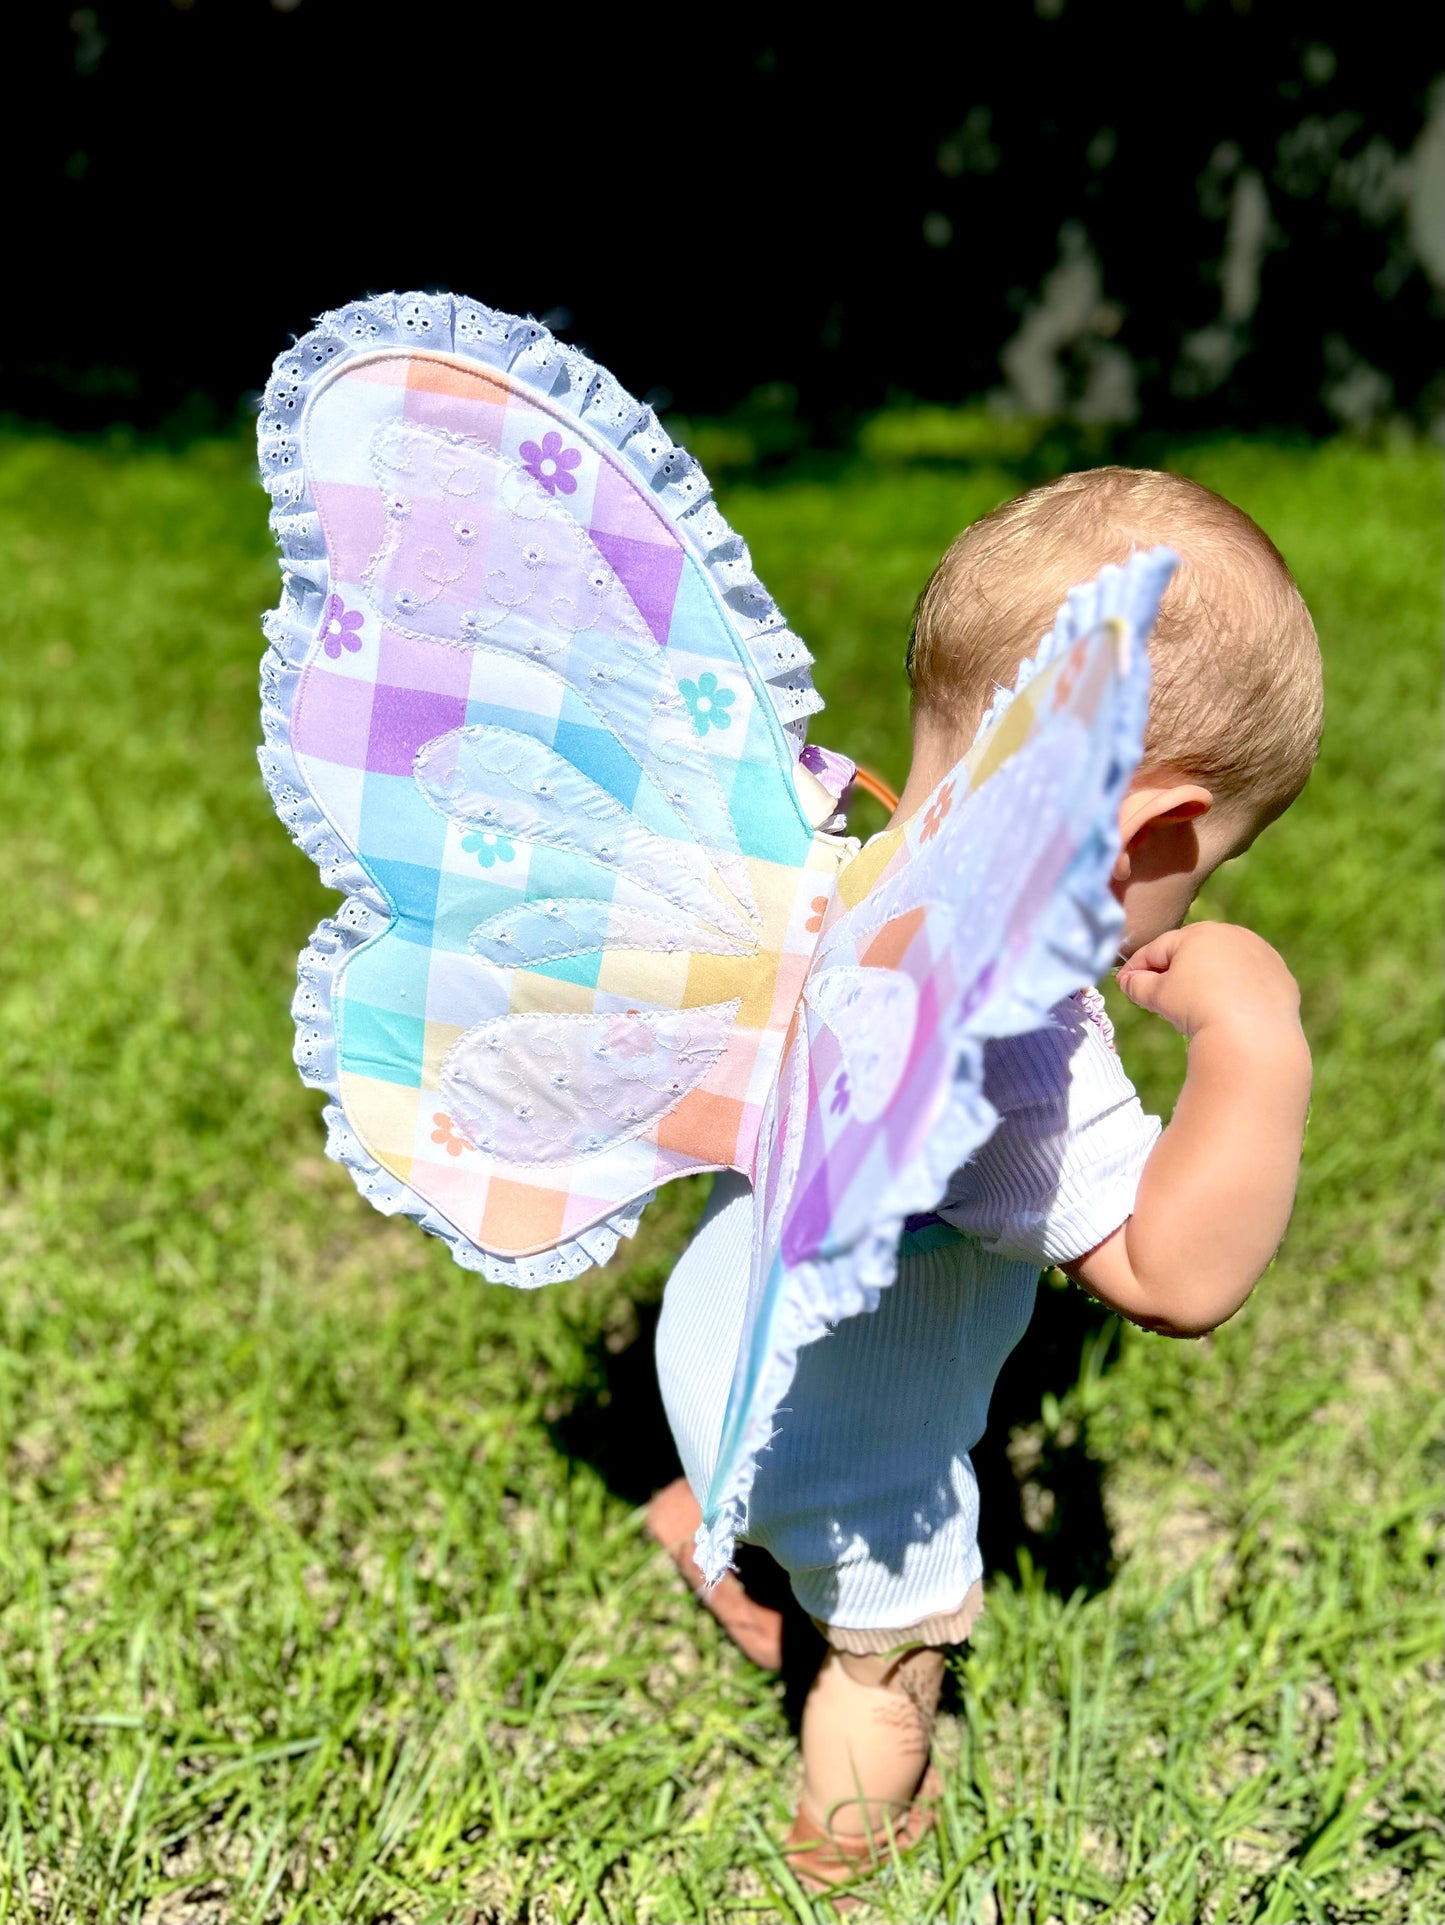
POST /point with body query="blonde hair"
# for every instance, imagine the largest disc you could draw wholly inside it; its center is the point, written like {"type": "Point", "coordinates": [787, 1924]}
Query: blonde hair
{"type": "Point", "coordinates": [1237, 698]}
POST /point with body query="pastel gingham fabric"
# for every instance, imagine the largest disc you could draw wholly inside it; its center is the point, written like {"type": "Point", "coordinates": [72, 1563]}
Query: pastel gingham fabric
{"type": "Point", "coordinates": [529, 711]}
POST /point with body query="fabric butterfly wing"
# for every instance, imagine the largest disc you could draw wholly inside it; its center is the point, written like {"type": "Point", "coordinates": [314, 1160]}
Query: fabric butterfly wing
{"type": "Point", "coordinates": [527, 705]}
{"type": "Point", "coordinates": [990, 906]}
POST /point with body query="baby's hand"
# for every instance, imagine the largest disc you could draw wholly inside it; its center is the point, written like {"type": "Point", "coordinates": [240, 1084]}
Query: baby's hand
{"type": "Point", "coordinates": [1211, 973]}
{"type": "Point", "coordinates": [1215, 1194]}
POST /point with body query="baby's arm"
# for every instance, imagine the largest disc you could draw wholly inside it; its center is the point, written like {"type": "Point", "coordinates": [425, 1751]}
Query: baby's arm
{"type": "Point", "coordinates": [1215, 1195]}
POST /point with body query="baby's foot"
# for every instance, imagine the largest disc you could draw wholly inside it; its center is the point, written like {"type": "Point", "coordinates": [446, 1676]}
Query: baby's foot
{"type": "Point", "coordinates": [672, 1519]}
{"type": "Point", "coordinates": [822, 1858]}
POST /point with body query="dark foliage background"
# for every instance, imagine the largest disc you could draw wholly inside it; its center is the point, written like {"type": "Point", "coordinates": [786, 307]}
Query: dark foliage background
{"type": "Point", "coordinates": [1188, 211]}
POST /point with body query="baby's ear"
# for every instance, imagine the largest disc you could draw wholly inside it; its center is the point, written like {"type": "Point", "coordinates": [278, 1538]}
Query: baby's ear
{"type": "Point", "coordinates": [1153, 804]}
{"type": "Point", "coordinates": [1153, 800]}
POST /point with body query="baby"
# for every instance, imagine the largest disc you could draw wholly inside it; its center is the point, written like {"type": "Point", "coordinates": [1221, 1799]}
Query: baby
{"type": "Point", "coordinates": [867, 1498]}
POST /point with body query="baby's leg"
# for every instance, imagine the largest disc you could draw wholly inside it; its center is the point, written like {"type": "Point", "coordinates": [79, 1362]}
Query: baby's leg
{"type": "Point", "coordinates": [868, 1500]}
{"type": "Point", "coordinates": [867, 1729]}
{"type": "Point", "coordinates": [697, 1336]}
{"type": "Point", "coordinates": [756, 1629]}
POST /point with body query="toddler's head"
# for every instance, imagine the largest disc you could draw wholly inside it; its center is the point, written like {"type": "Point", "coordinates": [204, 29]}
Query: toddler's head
{"type": "Point", "coordinates": [1235, 709]}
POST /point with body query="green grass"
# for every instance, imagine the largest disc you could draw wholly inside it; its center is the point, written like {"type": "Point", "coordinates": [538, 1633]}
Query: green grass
{"type": "Point", "coordinates": [322, 1590]}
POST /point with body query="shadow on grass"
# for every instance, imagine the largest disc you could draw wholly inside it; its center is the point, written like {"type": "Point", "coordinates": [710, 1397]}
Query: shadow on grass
{"type": "Point", "coordinates": [1040, 1490]}
{"type": "Point", "coordinates": [619, 1427]}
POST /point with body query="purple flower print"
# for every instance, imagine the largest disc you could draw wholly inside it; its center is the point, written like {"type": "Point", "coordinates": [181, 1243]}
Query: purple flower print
{"type": "Point", "coordinates": [551, 464]}
{"type": "Point", "coordinates": [338, 630]}
{"type": "Point", "coordinates": [842, 1095]}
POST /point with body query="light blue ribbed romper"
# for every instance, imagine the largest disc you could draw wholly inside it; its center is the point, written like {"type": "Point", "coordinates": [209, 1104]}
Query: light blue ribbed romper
{"type": "Point", "coordinates": [867, 1497]}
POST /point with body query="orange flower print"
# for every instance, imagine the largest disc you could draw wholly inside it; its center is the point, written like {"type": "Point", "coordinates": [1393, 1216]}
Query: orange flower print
{"type": "Point", "coordinates": [939, 811]}
{"type": "Point", "coordinates": [445, 1132]}
{"type": "Point", "coordinates": [819, 907]}
{"type": "Point", "coordinates": [1068, 676]}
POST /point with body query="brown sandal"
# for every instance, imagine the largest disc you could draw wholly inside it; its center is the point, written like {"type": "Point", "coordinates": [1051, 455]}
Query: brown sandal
{"type": "Point", "coordinates": [821, 1859]}
{"type": "Point", "coordinates": [672, 1520]}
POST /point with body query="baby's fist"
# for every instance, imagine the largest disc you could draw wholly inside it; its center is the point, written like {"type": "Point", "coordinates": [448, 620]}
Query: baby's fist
{"type": "Point", "coordinates": [1210, 973]}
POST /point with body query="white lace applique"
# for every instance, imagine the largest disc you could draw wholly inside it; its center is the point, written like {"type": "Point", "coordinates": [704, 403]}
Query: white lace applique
{"type": "Point", "coordinates": [548, 930]}
{"type": "Point", "coordinates": [463, 518]}
{"type": "Point", "coordinates": [873, 1014]}
{"type": "Point", "coordinates": [499, 563]}
{"type": "Point", "coordinates": [546, 1088]}
{"type": "Point", "coordinates": [498, 780]}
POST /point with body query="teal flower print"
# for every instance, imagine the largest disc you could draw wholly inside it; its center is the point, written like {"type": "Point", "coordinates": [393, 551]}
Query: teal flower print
{"type": "Point", "coordinates": [488, 846]}
{"type": "Point", "coordinates": [708, 703]}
